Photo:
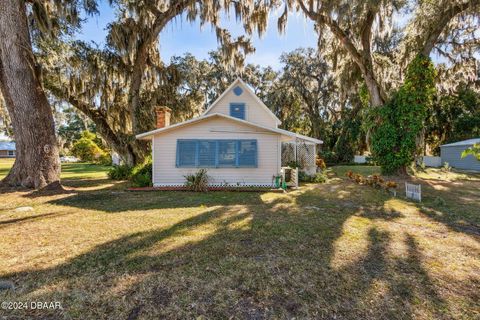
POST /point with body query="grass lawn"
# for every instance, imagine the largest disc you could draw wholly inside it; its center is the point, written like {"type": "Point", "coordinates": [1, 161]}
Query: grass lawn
{"type": "Point", "coordinates": [333, 250]}
{"type": "Point", "coordinates": [5, 165]}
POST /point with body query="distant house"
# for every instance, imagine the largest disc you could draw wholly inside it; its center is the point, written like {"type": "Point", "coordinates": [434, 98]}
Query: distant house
{"type": "Point", "coordinates": [236, 139]}
{"type": "Point", "coordinates": [7, 149]}
{"type": "Point", "coordinates": [452, 153]}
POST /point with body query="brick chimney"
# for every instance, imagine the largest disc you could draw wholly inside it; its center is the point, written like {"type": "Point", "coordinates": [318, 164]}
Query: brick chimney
{"type": "Point", "coordinates": [163, 116]}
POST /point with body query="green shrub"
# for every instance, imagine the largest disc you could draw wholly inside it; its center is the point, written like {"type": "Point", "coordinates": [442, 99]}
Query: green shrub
{"type": "Point", "coordinates": [198, 181]}
{"type": "Point", "coordinates": [294, 164]}
{"type": "Point", "coordinates": [121, 172]}
{"type": "Point", "coordinates": [88, 150]}
{"type": "Point", "coordinates": [318, 177]}
{"type": "Point", "coordinates": [329, 157]}
{"type": "Point", "coordinates": [141, 175]}
{"type": "Point", "coordinates": [105, 159]}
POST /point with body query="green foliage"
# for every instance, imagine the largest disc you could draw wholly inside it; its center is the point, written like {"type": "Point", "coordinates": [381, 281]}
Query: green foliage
{"type": "Point", "coordinates": [364, 96]}
{"type": "Point", "coordinates": [330, 157]}
{"type": "Point", "coordinates": [121, 172]}
{"type": "Point", "coordinates": [141, 175]}
{"type": "Point", "coordinates": [474, 151]}
{"type": "Point", "coordinates": [87, 149]}
{"type": "Point", "coordinates": [397, 125]}
{"type": "Point", "coordinates": [344, 148]}
{"type": "Point", "coordinates": [319, 177]}
{"type": "Point", "coordinates": [70, 128]}
{"type": "Point", "coordinates": [303, 92]}
{"type": "Point", "coordinates": [294, 164]}
{"type": "Point", "coordinates": [454, 117]}
{"type": "Point", "coordinates": [198, 181]}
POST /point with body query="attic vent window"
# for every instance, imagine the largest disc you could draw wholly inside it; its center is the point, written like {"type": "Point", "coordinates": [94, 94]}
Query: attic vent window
{"type": "Point", "coordinates": [237, 90]}
{"type": "Point", "coordinates": [237, 110]}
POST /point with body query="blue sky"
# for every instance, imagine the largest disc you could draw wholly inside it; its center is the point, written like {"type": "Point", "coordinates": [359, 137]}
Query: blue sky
{"type": "Point", "coordinates": [181, 36]}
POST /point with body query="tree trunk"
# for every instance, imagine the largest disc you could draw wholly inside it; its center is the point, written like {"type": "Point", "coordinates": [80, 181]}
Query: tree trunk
{"type": "Point", "coordinates": [402, 171]}
{"type": "Point", "coordinates": [374, 90]}
{"type": "Point", "coordinates": [140, 64]}
{"type": "Point", "coordinates": [37, 161]}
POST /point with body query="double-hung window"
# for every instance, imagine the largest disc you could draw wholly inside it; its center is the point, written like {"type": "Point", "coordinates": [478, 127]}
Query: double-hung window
{"type": "Point", "coordinates": [197, 153]}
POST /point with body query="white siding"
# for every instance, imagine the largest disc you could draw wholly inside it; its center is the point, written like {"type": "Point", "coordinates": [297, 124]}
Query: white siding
{"type": "Point", "coordinates": [254, 111]}
{"type": "Point", "coordinates": [164, 148]}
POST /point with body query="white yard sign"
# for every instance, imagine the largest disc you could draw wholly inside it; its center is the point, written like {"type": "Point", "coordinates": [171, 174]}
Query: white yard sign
{"type": "Point", "coordinates": [413, 191]}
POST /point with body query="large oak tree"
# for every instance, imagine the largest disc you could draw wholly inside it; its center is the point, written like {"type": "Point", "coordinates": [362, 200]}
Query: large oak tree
{"type": "Point", "coordinates": [118, 86]}
{"type": "Point", "coordinates": [22, 23]}
{"type": "Point", "coordinates": [37, 161]}
{"type": "Point", "coordinates": [368, 33]}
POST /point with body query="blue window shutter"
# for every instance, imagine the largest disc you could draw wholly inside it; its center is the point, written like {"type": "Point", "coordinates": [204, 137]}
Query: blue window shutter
{"type": "Point", "coordinates": [186, 153]}
{"type": "Point", "coordinates": [237, 110]}
{"type": "Point", "coordinates": [227, 154]}
{"type": "Point", "coordinates": [207, 150]}
{"type": "Point", "coordinates": [247, 153]}
{"type": "Point", "coordinates": [216, 153]}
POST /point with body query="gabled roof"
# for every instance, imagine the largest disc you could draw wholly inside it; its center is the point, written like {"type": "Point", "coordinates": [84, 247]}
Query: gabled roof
{"type": "Point", "coordinates": [246, 86]}
{"type": "Point", "coordinates": [468, 142]}
{"type": "Point", "coordinates": [7, 145]}
{"type": "Point", "coordinates": [148, 135]}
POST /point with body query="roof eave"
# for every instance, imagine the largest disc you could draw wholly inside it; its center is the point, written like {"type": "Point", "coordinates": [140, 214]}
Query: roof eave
{"type": "Point", "coordinates": [149, 135]}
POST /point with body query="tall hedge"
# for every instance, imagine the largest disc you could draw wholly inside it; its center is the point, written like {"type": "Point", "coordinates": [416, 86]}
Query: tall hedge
{"type": "Point", "coordinates": [396, 126]}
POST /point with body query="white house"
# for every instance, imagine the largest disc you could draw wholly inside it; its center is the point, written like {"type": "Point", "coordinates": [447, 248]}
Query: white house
{"type": "Point", "coordinates": [236, 139]}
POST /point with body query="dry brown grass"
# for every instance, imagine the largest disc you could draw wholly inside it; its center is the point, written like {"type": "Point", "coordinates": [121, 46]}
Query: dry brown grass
{"type": "Point", "coordinates": [336, 250]}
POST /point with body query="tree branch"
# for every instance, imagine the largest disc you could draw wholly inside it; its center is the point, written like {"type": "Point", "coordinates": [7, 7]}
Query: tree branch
{"type": "Point", "coordinates": [362, 59]}
{"type": "Point", "coordinates": [161, 19]}
{"type": "Point", "coordinates": [366, 32]}
{"type": "Point", "coordinates": [443, 21]}
{"type": "Point", "coordinates": [337, 32]}
{"type": "Point", "coordinates": [93, 114]}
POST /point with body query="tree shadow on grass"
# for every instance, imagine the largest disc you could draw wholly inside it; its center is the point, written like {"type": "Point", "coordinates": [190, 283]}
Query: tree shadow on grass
{"type": "Point", "coordinates": [17, 221]}
{"type": "Point", "coordinates": [380, 213]}
{"type": "Point", "coordinates": [456, 208]}
{"type": "Point", "coordinates": [114, 201]}
{"type": "Point", "coordinates": [259, 261]}
{"type": "Point", "coordinates": [414, 285]}
{"type": "Point", "coordinates": [89, 183]}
